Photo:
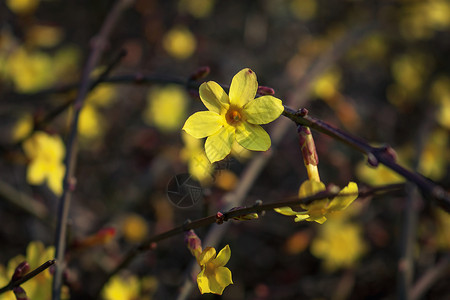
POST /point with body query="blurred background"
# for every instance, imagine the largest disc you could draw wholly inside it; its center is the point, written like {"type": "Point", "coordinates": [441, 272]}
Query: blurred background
{"type": "Point", "coordinates": [377, 69]}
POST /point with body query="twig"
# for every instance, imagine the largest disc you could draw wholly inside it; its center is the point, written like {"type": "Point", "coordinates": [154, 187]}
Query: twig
{"type": "Point", "coordinates": [23, 201]}
{"type": "Point", "coordinates": [383, 155]}
{"type": "Point", "coordinates": [425, 282]}
{"type": "Point", "coordinates": [405, 272]}
{"type": "Point", "coordinates": [12, 284]}
{"type": "Point", "coordinates": [98, 47]}
{"type": "Point", "coordinates": [293, 202]}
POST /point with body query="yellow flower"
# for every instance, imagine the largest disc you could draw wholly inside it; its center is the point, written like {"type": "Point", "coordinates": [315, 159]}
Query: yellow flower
{"type": "Point", "coordinates": [214, 277]}
{"type": "Point", "coordinates": [22, 128]}
{"type": "Point", "coordinates": [179, 42]}
{"type": "Point", "coordinates": [122, 288]}
{"type": "Point", "coordinates": [197, 8]}
{"type": "Point", "coordinates": [233, 117]}
{"type": "Point", "coordinates": [166, 107]}
{"type": "Point", "coordinates": [30, 71]}
{"type": "Point", "coordinates": [91, 124]}
{"type": "Point", "coordinates": [198, 164]}
{"type": "Point", "coordinates": [134, 228]}
{"type": "Point", "coordinates": [22, 6]}
{"type": "Point", "coordinates": [319, 209]}
{"type": "Point", "coordinates": [39, 287]}
{"type": "Point", "coordinates": [339, 244]}
{"type": "Point", "coordinates": [46, 154]}
{"type": "Point", "coordinates": [377, 176]}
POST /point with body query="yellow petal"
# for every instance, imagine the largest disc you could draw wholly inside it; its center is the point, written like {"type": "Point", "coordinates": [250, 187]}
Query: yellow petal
{"type": "Point", "coordinates": [341, 201]}
{"type": "Point", "coordinates": [203, 282]}
{"type": "Point", "coordinates": [310, 187]}
{"type": "Point", "coordinates": [36, 172]}
{"type": "Point", "coordinates": [243, 87]}
{"type": "Point", "coordinates": [203, 124]}
{"type": "Point", "coordinates": [214, 282]}
{"type": "Point", "coordinates": [214, 97]}
{"type": "Point", "coordinates": [207, 254]}
{"type": "Point", "coordinates": [55, 179]}
{"type": "Point", "coordinates": [301, 217]}
{"type": "Point", "coordinates": [218, 145]}
{"type": "Point", "coordinates": [319, 220]}
{"type": "Point", "coordinates": [252, 137]}
{"type": "Point", "coordinates": [223, 257]}
{"type": "Point", "coordinates": [286, 210]}
{"type": "Point", "coordinates": [263, 110]}
{"type": "Point", "coordinates": [223, 278]}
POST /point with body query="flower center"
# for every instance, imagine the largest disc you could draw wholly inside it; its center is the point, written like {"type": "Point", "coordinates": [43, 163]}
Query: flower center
{"type": "Point", "coordinates": [234, 116]}
{"type": "Point", "coordinates": [210, 268]}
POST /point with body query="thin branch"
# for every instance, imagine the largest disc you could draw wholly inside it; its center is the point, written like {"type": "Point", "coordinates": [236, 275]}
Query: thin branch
{"type": "Point", "coordinates": [293, 202]}
{"type": "Point", "coordinates": [24, 202]}
{"type": "Point", "coordinates": [426, 281]}
{"type": "Point", "coordinates": [98, 47]}
{"type": "Point", "coordinates": [383, 155]}
{"type": "Point", "coordinates": [12, 284]}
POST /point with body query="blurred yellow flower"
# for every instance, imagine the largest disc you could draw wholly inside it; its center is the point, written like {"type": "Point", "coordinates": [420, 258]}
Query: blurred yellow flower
{"type": "Point", "coordinates": [91, 124]}
{"type": "Point", "coordinates": [420, 20]}
{"type": "Point", "coordinates": [30, 71]}
{"type": "Point", "coordinates": [134, 228]}
{"type": "Point", "coordinates": [327, 85]}
{"type": "Point", "coordinates": [380, 175]}
{"type": "Point", "coordinates": [318, 210]}
{"type": "Point", "coordinates": [339, 244]}
{"type": "Point", "coordinates": [44, 35]}
{"type": "Point", "coordinates": [179, 42]}
{"type": "Point", "coordinates": [22, 128]}
{"type": "Point", "coordinates": [46, 154]}
{"type": "Point", "coordinates": [4, 280]}
{"type": "Point", "coordinates": [234, 117]}
{"type": "Point", "coordinates": [197, 8]}
{"type": "Point", "coordinates": [440, 93]}
{"type": "Point", "coordinates": [102, 96]}
{"type": "Point", "coordinates": [166, 107]}
{"type": "Point", "coordinates": [21, 7]}
{"type": "Point", "coordinates": [198, 164]}
{"type": "Point", "coordinates": [435, 155]}
{"type": "Point", "coordinates": [304, 9]}
{"type": "Point", "coordinates": [66, 64]}
{"type": "Point", "coordinates": [410, 71]}
{"type": "Point", "coordinates": [214, 276]}
{"type": "Point", "coordinates": [122, 288]}
{"type": "Point", "coordinates": [442, 232]}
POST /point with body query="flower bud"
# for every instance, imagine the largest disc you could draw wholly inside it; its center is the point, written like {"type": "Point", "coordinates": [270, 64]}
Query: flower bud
{"type": "Point", "coordinates": [265, 90]}
{"type": "Point", "coordinates": [20, 270]}
{"type": "Point", "coordinates": [193, 242]}
{"type": "Point", "coordinates": [201, 73]}
{"type": "Point", "coordinates": [20, 293]}
{"type": "Point", "coordinates": [309, 152]}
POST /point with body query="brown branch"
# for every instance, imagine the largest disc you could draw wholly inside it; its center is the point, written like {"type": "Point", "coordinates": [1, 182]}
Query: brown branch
{"type": "Point", "coordinates": [426, 281]}
{"type": "Point", "coordinates": [376, 155]}
{"type": "Point", "coordinates": [15, 283]}
{"type": "Point", "coordinates": [293, 202]}
{"type": "Point", "coordinates": [98, 47]}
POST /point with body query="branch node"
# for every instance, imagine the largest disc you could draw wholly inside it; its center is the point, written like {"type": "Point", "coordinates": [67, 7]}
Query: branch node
{"type": "Point", "coordinates": [220, 217]}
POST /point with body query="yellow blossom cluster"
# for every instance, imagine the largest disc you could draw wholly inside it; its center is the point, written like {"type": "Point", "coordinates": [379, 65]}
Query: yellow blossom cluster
{"type": "Point", "coordinates": [46, 153]}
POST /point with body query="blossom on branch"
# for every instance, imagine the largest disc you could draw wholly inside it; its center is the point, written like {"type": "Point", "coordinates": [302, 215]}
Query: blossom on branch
{"type": "Point", "coordinates": [319, 209]}
{"type": "Point", "coordinates": [214, 277]}
{"type": "Point", "coordinates": [233, 117]}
